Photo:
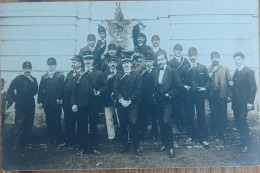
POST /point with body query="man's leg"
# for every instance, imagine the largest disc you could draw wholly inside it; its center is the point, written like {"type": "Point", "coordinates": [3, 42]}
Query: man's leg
{"type": "Point", "coordinates": [110, 122]}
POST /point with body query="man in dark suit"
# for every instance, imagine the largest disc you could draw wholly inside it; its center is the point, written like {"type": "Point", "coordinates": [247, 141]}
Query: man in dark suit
{"type": "Point", "coordinates": [48, 98]}
{"type": "Point", "coordinates": [101, 44]}
{"type": "Point", "coordinates": [219, 95]}
{"type": "Point", "coordinates": [22, 91]}
{"type": "Point", "coordinates": [167, 84]}
{"type": "Point", "coordinates": [178, 106]}
{"type": "Point", "coordinates": [86, 101]}
{"type": "Point", "coordinates": [127, 89]}
{"type": "Point", "coordinates": [156, 46]}
{"type": "Point", "coordinates": [65, 96]}
{"type": "Point", "coordinates": [111, 53]}
{"type": "Point", "coordinates": [108, 96]}
{"type": "Point", "coordinates": [96, 51]}
{"type": "Point", "coordinates": [142, 44]}
{"type": "Point", "coordinates": [196, 80]}
{"type": "Point", "coordinates": [243, 96]}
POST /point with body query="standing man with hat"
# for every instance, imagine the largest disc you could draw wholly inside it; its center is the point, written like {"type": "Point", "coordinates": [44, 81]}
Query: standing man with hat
{"type": "Point", "coordinates": [26, 88]}
{"type": "Point", "coordinates": [48, 98]}
{"type": "Point", "coordinates": [91, 47]}
{"type": "Point", "coordinates": [219, 95]}
{"type": "Point", "coordinates": [86, 101]}
{"type": "Point", "coordinates": [141, 39]}
{"type": "Point", "coordinates": [243, 97]}
{"type": "Point", "coordinates": [156, 46]}
{"type": "Point", "coordinates": [112, 51]}
{"type": "Point", "coordinates": [127, 89]}
{"type": "Point", "coordinates": [109, 78]}
{"type": "Point", "coordinates": [65, 96]}
{"type": "Point", "coordinates": [101, 44]}
{"type": "Point", "coordinates": [138, 60]}
{"type": "Point", "coordinates": [167, 84]}
{"type": "Point", "coordinates": [196, 80]}
{"type": "Point", "coordinates": [178, 106]}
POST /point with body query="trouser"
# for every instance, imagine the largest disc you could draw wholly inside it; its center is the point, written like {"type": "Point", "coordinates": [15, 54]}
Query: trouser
{"type": "Point", "coordinates": [146, 112]}
{"type": "Point", "coordinates": [70, 123]}
{"type": "Point", "coordinates": [24, 120]}
{"type": "Point", "coordinates": [128, 117]}
{"type": "Point", "coordinates": [87, 115]}
{"type": "Point", "coordinates": [178, 110]}
{"type": "Point", "coordinates": [53, 119]}
{"type": "Point", "coordinates": [218, 109]}
{"type": "Point", "coordinates": [196, 100]}
{"type": "Point", "coordinates": [240, 116]}
{"type": "Point", "coordinates": [164, 112]}
{"type": "Point", "coordinates": [109, 111]}
{"type": "Point", "coordinates": [3, 116]}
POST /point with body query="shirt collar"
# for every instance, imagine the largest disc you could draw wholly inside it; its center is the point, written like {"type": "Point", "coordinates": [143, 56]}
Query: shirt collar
{"type": "Point", "coordinates": [78, 70]}
{"type": "Point", "coordinates": [240, 67]}
{"type": "Point", "coordinates": [155, 49]}
{"type": "Point", "coordinates": [178, 58]}
{"type": "Point", "coordinates": [89, 69]}
{"type": "Point", "coordinates": [127, 71]}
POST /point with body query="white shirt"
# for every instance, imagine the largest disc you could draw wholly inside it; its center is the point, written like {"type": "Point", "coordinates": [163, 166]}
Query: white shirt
{"type": "Point", "coordinates": [178, 59]}
{"type": "Point", "coordinates": [89, 69]}
{"type": "Point", "coordinates": [113, 71]}
{"type": "Point", "coordinates": [51, 74]}
{"type": "Point", "coordinates": [155, 49]}
{"type": "Point", "coordinates": [92, 48]}
{"type": "Point", "coordinates": [161, 73]}
{"type": "Point", "coordinates": [240, 67]}
{"type": "Point", "coordinates": [127, 71]}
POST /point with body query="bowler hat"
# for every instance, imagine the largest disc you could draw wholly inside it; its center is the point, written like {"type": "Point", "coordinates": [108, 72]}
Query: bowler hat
{"type": "Point", "coordinates": [77, 58]}
{"type": "Point", "coordinates": [101, 29]}
{"type": "Point", "coordinates": [155, 37]}
{"type": "Point", "coordinates": [27, 64]}
{"type": "Point", "coordinates": [177, 47]}
{"type": "Point", "coordinates": [51, 61]}
{"type": "Point", "coordinates": [192, 51]}
{"type": "Point", "coordinates": [214, 54]}
{"type": "Point", "coordinates": [111, 46]}
{"type": "Point", "coordinates": [91, 36]}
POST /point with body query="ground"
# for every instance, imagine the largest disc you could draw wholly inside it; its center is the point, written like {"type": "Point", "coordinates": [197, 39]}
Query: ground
{"type": "Point", "coordinates": [41, 155]}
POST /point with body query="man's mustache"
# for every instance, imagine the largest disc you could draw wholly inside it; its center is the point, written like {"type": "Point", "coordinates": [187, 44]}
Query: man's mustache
{"type": "Point", "coordinates": [112, 65]}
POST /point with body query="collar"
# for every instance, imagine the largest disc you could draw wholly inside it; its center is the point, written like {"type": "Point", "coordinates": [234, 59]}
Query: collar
{"type": "Point", "coordinates": [79, 70]}
{"type": "Point", "coordinates": [155, 49]}
{"type": "Point", "coordinates": [240, 67]}
{"type": "Point", "coordinates": [194, 64]}
{"type": "Point", "coordinates": [89, 69]}
{"type": "Point", "coordinates": [2, 91]}
{"type": "Point", "coordinates": [113, 71]}
{"type": "Point", "coordinates": [178, 58]}
{"type": "Point", "coordinates": [51, 73]}
{"type": "Point", "coordinates": [92, 48]}
{"type": "Point", "coordinates": [127, 71]}
{"type": "Point", "coordinates": [103, 41]}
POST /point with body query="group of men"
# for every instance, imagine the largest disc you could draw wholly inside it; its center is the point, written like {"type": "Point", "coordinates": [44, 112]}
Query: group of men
{"type": "Point", "coordinates": [135, 86]}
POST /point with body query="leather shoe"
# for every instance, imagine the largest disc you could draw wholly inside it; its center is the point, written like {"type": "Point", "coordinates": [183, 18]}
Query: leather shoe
{"type": "Point", "coordinates": [138, 152]}
{"type": "Point", "coordinates": [161, 149]}
{"type": "Point", "coordinates": [171, 153]}
{"type": "Point", "coordinates": [96, 152]}
{"type": "Point", "coordinates": [124, 150]}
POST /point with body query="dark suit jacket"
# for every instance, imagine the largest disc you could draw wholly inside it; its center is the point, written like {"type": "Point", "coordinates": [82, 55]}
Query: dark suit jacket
{"type": "Point", "coordinates": [129, 87]}
{"type": "Point", "coordinates": [147, 86]}
{"type": "Point", "coordinates": [50, 89]}
{"type": "Point", "coordinates": [244, 89]}
{"type": "Point", "coordinates": [171, 83]}
{"type": "Point", "coordinates": [25, 92]}
{"type": "Point", "coordinates": [99, 43]}
{"type": "Point", "coordinates": [159, 52]}
{"type": "Point", "coordinates": [202, 76]}
{"type": "Point", "coordinates": [83, 90]}
{"type": "Point", "coordinates": [174, 63]}
{"type": "Point", "coordinates": [97, 55]}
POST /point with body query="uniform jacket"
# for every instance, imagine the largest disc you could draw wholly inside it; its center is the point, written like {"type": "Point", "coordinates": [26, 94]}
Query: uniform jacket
{"type": "Point", "coordinates": [220, 81]}
{"type": "Point", "coordinates": [50, 89]}
{"type": "Point", "coordinates": [128, 87]}
{"type": "Point", "coordinates": [202, 76]}
{"type": "Point", "coordinates": [147, 86]}
{"type": "Point", "coordinates": [25, 92]}
{"type": "Point", "coordinates": [244, 89]}
{"type": "Point", "coordinates": [171, 83]}
{"type": "Point", "coordinates": [174, 63]}
{"type": "Point", "coordinates": [97, 55]}
{"type": "Point", "coordinates": [99, 43]}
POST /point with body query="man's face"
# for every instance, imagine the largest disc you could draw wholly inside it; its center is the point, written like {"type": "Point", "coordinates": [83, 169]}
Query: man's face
{"type": "Point", "coordinates": [51, 68]}
{"type": "Point", "coordinates": [161, 60]}
{"type": "Point", "coordinates": [178, 52]}
{"type": "Point", "coordinates": [148, 63]}
{"type": "Point", "coordinates": [112, 52]}
{"type": "Point", "coordinates": [156, 43]}
{"type": "Point", "coordinates": [238, 61]}
{"type": "Point", "coordinates": [75, 64]}
{"type": "Point", "coordinates": [102, 35]}
{"type": "Point", "coordinates": [193, 58]}
{"type": "Point", "coordinates": [140, 40]}
{"type": "Point", "coordinates": [91, 42]}
{"type": "Point", "coordinates": [127, 65]}
{"type": "Point", "coordinates": [88, 62]}
{"type": "Point", "coordinates": [112, 65]}
{"type": "Point", "coordinates": [215, 60]}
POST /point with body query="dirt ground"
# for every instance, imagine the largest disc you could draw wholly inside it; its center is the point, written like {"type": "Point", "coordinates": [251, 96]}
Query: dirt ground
{"type": "Point", "coordinates": [41, 155]}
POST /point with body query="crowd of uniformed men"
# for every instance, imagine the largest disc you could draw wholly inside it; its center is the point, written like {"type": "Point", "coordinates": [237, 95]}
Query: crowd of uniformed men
{"type": "Point", "coordinates": [138, 87]}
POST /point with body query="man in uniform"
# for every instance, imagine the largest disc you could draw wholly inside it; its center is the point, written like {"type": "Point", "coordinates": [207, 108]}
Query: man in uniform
{"type": "Point", "coordinates": [48, 98]}
{"type": "Point", "coordinates": [65, 96]}
{"type": "Point", "coordinates": [96, 51]}
{"type": "Point", "coordinates": [156, 46]}
{"type": "Point", "coordinates": [101, 44]}
{"type": "Point", "coordinates": [108, 97]}
{"type": "Point", "coordinates": [167, 84]}
{"type": "Point", "coordinates": [243, 96]}
{"type": "Point", "coordinates": [86, 101]}
{"type": "Point", "coordinates": [26, 88]}
{"type": "Point", "coordinates": [219, 95]}
{"type": "Point", "coordinates": [112, 51]}
{"type": "Point", "coordinates": [196, 80]}
{"type": "Point", "coordinates": [127, 90]}
{"type": "Point", "coordinates": [178, 106]}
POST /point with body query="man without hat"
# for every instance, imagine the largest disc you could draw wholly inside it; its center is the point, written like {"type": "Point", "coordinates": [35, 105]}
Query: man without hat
{"type": "Point", "coordinates": [166, 84]}
{"type": "Point", "coordinates": [48, 98]}
{"type": "Point", "coordinates": [109, 99]}
{"type": "Point", "coordinates": [178, 106]}
{"type": "Point", "coordinates": [26, 88]}
{"type": "Point", "coordinates": [86, 100]}
{"type": "Point", "coordinates": [127, 90]}
{"type": "Point", "coordinates": [243, 97]}
{"type": "Point", "coordinates": [65, 96]}
{"type": "Point", "coordinates": [101, 44]}
{"type": "Point", "coordinates": [196, 80]}
{"type": "Point", "coordinates": [219, 95]}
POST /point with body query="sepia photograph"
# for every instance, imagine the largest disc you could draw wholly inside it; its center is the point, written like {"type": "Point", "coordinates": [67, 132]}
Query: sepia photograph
{"type": "Point", "coordinates": [94, 85]}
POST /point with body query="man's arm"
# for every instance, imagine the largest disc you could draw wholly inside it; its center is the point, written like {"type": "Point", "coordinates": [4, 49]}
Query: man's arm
{"type": "Point", "coordinates": [10, 92]}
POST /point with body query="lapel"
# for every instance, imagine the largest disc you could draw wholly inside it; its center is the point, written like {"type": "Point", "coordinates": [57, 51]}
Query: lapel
{"type": "Point", "coordinates": [165, 75]}
{"type": "Point", "coordinates": [156, 77]}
